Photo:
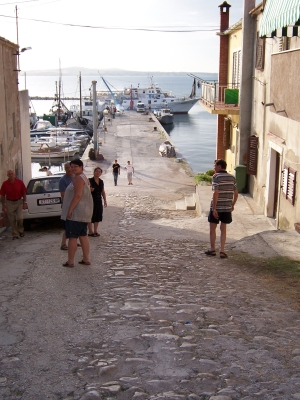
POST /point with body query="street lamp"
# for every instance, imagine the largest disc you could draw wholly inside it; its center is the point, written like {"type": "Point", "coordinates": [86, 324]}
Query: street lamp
{"type": "Point", "coordinates": [105, 112]}
{"type": "Point", "coordinates": [18, 56]}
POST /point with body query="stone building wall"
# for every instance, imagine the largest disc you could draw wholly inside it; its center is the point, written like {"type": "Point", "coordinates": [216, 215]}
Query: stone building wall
{"type": "Point", "coordinates": [10, 127]}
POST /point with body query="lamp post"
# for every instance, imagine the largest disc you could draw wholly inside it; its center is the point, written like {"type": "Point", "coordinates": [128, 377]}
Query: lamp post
{"type": "Point", "coordinates": [105, 112]}
{"type": "Point", "coordinates": [23, 49]}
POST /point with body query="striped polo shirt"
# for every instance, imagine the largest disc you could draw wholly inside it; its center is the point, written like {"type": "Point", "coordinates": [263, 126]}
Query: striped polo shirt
{"type": "Point", "coordinates": [225, 184]}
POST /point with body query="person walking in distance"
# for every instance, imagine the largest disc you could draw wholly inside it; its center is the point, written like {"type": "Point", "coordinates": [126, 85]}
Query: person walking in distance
{"type": "Point", "coordinates": [116, 171]}
{"type": "Point", "coordinates": [13, 198]}
{"type": "Point", "coordinates": [225, 195]}
{"type": "Point", "coordinates": [130, 171]}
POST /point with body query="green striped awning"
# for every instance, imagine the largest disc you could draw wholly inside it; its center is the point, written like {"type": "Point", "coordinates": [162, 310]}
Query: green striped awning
{"type": "Point", "coordinates": [279, 14]}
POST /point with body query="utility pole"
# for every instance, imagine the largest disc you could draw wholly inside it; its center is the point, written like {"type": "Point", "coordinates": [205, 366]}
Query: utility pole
{"type": "Point", "coordinates": [95, 118]}
{"type": "Point", "coordinates": [18, 54]}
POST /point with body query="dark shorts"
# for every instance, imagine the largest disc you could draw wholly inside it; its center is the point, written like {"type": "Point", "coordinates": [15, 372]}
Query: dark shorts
{"type": "Point", "coordinates": [74, 229]}
{"type": "Point", "coordinates": [224, 217]}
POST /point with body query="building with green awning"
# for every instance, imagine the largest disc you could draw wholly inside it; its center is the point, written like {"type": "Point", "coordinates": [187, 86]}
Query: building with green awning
{"type": "Point", "coordinates": [279, 14]}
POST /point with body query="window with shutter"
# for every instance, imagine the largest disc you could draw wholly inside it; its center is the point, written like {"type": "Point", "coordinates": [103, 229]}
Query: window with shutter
{"type": "Point", "coordinates": [260, 53]}
{"type": "Point", "coordinates": [236, 69]}
{"type": "Point", "coordinates": [252, 155]}
{"type": "Point", "coordinates": [289, 183]}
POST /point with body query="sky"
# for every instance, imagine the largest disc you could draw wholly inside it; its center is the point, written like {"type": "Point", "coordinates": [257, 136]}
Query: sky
{"type": "Point", "coordinates": [129, 35]}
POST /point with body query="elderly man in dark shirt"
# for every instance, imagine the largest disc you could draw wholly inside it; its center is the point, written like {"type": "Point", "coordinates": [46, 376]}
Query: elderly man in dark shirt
{"type": "Point", "coordinates": [13, 197]}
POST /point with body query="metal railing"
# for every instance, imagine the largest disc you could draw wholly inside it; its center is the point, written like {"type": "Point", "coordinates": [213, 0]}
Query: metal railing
{"type": "Point", "coordinates": [214, 95]}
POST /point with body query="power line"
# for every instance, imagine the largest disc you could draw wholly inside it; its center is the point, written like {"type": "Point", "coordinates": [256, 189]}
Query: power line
{"type": "Point", "coordinates": [118, 28]}
{"type": "Point", "coordinates": [18, 2]}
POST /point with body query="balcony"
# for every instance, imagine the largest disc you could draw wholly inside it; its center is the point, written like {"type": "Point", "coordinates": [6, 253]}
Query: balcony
{"type": "Point", "coordinates": [219, 99]}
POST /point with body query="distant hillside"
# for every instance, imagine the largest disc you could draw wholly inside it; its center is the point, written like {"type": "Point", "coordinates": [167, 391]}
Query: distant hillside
{"type": "Point", "coordinates": [74, 71]}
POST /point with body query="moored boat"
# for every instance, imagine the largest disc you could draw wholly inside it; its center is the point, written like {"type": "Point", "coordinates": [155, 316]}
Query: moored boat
{"type": "Point", "coordinates": [155, 98]}
{"type": "Point", "coordinates": [164, 116]}
{"type": "Point", "coordinates": [166, 149]}
{"type": "Point", "coordinates": [55, 152]}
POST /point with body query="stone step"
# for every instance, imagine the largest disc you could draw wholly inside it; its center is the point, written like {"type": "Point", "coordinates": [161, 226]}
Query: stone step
{"type": "Point", "coordinates": [180, 205]}
{"type": "Point", "coordinates": [188, 203]}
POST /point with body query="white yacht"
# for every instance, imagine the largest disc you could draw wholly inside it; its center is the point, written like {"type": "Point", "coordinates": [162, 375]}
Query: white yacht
{"type": "Point", "coordinates": [155, 98]}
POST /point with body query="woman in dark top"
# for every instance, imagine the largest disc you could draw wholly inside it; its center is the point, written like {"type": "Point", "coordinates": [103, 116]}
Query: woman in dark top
{"type": "Point", "coordinates": [97, 190]}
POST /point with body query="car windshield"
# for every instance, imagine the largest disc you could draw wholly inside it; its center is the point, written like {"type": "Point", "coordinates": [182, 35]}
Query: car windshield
{"type": "Point", "coordinates": [43, 185]}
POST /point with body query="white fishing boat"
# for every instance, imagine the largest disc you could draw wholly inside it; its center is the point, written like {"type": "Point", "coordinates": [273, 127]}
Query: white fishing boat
{"type": "Point", "coordinates": [48, 152]}
{"type": "Point", "coordinates": [61, 134]}
{"type": "Point", "coordinates": [164, 116]}
{"type": "Point", "coordinates": [156, 99]}
{"type": "Point", "coordinates": [59, 142]}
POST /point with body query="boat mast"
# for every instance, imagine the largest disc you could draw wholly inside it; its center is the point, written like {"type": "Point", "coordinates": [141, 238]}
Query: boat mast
{"type": "Point", "coordinates": [80, 99]}
{"type": "Point", "coordinates": [59, 95]}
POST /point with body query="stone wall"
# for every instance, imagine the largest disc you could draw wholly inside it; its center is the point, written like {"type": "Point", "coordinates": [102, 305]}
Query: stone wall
{"type": "Point", "coordinates": [10, 127]}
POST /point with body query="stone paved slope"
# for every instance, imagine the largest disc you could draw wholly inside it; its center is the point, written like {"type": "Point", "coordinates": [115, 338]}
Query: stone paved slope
{"type": "Point", "coordinates": [152, 317]}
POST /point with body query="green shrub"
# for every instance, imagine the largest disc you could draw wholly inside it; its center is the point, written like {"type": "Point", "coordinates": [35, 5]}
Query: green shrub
{"type": "Point", "coordinates": [203, 177]}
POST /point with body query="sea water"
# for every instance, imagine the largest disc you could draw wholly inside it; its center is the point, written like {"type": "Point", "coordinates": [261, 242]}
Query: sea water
{"type": "Point", "coordinates": [194, 134]}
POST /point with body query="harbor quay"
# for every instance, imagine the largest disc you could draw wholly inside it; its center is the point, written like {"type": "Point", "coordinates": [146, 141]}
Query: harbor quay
{"type": "Point", "coordinates": [152, 317]}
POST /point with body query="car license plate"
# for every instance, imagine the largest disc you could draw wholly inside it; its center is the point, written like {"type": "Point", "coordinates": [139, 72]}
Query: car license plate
{"type": "Point", "coordinates": [54, 200]}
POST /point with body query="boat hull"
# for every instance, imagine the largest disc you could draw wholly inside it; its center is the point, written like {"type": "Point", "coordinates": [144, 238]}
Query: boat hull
{"type": "Point", "coordinates": [166, 119]}
{"type": "Point", "coordinates": [65, 153]}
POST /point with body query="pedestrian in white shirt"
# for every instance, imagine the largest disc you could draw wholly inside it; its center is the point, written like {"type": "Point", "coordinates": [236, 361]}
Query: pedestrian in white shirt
{"type": "Point", "coordinates": [130, 171]}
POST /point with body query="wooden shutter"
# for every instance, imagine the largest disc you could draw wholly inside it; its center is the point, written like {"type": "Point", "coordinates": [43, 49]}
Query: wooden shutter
{"type": "Point", "coordinates": [252, 155]}
{"type": "Point", "coordinates": [236, 69]}
{"type": "Point", "coordinates": [260, 53]}
{"type": "Point", "coordinates": [289, 183]}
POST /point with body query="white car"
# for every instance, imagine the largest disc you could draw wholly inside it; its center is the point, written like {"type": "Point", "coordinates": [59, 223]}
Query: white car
{"type": "Point", "coordinates": [43, 199]}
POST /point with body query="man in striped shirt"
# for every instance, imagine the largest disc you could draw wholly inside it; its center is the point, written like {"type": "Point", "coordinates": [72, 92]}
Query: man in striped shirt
{"type": "Point", "coordinates": [225, 195]}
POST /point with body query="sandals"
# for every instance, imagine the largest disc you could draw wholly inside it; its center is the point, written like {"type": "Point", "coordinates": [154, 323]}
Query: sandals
{"type": "Point", "coordinates": [213, 253]}
{"type": "Point", "coordinates": [93, 234]}
{"type": "Point", "coordinates": [84, 262]}
{"type": "Point", "coordinates": [65, 247]}
{"type": "Point", "coordinates": [223, 255]}
{"type": "Point", "coordinates": [210, 252]}
{"type": "Point", "coordinates": [66, 264]}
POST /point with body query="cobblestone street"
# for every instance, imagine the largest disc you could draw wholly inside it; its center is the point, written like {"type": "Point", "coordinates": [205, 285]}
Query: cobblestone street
{"type": "Point", "coordinates": [152, 318]}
